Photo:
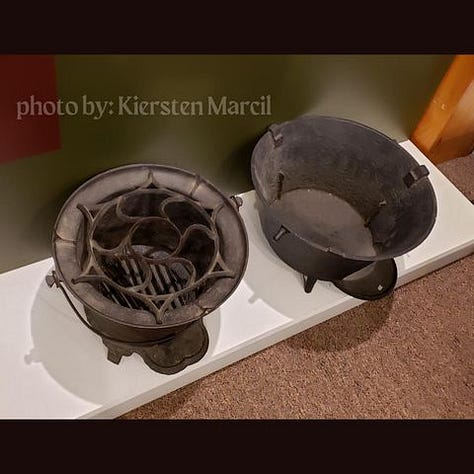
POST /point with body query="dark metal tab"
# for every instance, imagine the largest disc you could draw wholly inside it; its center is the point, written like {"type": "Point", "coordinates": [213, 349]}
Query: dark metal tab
{"type": "Point", "coordinates": [309, 282]}
{"type": "Point", "coordinates": [276, 134]}
{"type": "Point", "coordinates": [280, 233]}
{"type": "Point", "coordinates": [415, 175]}
{"type": "Point", "coordinates": [238, 201]}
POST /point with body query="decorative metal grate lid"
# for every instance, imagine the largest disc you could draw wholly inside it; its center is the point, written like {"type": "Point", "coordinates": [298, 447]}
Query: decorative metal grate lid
{"type": "Point", "coordinates": [150, 245]}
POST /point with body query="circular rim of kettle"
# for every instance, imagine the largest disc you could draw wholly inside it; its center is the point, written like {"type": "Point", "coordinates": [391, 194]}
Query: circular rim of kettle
{"type": "Point", "coordinates": [316, 245]}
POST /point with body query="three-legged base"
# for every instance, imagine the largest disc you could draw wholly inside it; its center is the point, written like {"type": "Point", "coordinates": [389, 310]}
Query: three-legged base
{"type": "Point", "coordinates": [168, 357]}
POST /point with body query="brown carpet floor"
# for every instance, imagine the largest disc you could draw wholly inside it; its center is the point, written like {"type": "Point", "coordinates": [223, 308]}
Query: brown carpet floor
{"type": "Point", "coordinates": [407, 356]}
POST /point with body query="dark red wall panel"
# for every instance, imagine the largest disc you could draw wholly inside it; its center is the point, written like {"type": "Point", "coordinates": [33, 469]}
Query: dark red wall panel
{"type": "Point", "coordinates": [21, 78]}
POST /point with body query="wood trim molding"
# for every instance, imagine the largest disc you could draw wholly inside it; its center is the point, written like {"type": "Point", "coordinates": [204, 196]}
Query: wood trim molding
{"type": "Point", "coordinates": [446, 129]}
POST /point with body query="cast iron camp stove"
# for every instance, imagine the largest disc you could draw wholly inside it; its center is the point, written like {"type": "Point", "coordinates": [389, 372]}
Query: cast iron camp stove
{"type": "Point", "coordinates": [339, 200]}
{"type": "Point", "coordinates": [149, 251]}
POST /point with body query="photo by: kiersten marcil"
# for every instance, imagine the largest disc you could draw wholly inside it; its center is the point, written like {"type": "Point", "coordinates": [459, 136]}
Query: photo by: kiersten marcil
{"type": "Point", "coordinates": [133, 105]}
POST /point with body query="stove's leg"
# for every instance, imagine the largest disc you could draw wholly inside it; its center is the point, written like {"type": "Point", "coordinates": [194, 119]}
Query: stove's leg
{"type": "Point", "coordinates": [116, 351]}
{"type": "Point", "coordinates": [309, 282]}
{"type": "Point", "coordinates": [114, 356]}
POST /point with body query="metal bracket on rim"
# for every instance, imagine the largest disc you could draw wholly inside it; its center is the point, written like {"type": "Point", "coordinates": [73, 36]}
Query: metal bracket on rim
{"type": "Point", "coordinates": [237, 200]}
{"type": "Point", "coordinates": [415, 175]}
{"type": "Point", "coordinates": [276, 135]}
{"type": "Point", "coordinates": [282, 231]}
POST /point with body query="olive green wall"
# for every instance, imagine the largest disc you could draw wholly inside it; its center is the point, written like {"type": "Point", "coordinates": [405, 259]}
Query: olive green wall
{"type": "Point", "coordinates": [386, 92]}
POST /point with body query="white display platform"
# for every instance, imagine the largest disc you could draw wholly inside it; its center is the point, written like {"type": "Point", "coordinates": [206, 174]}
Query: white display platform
{"type": "Point", "coordinates": [51, 366]}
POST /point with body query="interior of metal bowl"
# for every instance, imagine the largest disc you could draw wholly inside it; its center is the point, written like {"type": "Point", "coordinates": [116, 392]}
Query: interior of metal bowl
{"type": "Point", "coordinates": [341, 186]}
{"type": "Point", "coordinates": [150, 245]}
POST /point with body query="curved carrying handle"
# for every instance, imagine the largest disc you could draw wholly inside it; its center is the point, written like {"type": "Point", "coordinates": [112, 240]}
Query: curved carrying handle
{"type": "Point", "coordinates": [53, 279]}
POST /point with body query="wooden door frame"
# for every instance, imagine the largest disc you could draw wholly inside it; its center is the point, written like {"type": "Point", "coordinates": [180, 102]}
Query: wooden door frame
{"type": "Point", "coordinates": [446, 129]}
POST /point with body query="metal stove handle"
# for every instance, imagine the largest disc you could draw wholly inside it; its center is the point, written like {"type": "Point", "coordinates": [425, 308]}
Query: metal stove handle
{"type": "Point", "coordinates": [53, 279]}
